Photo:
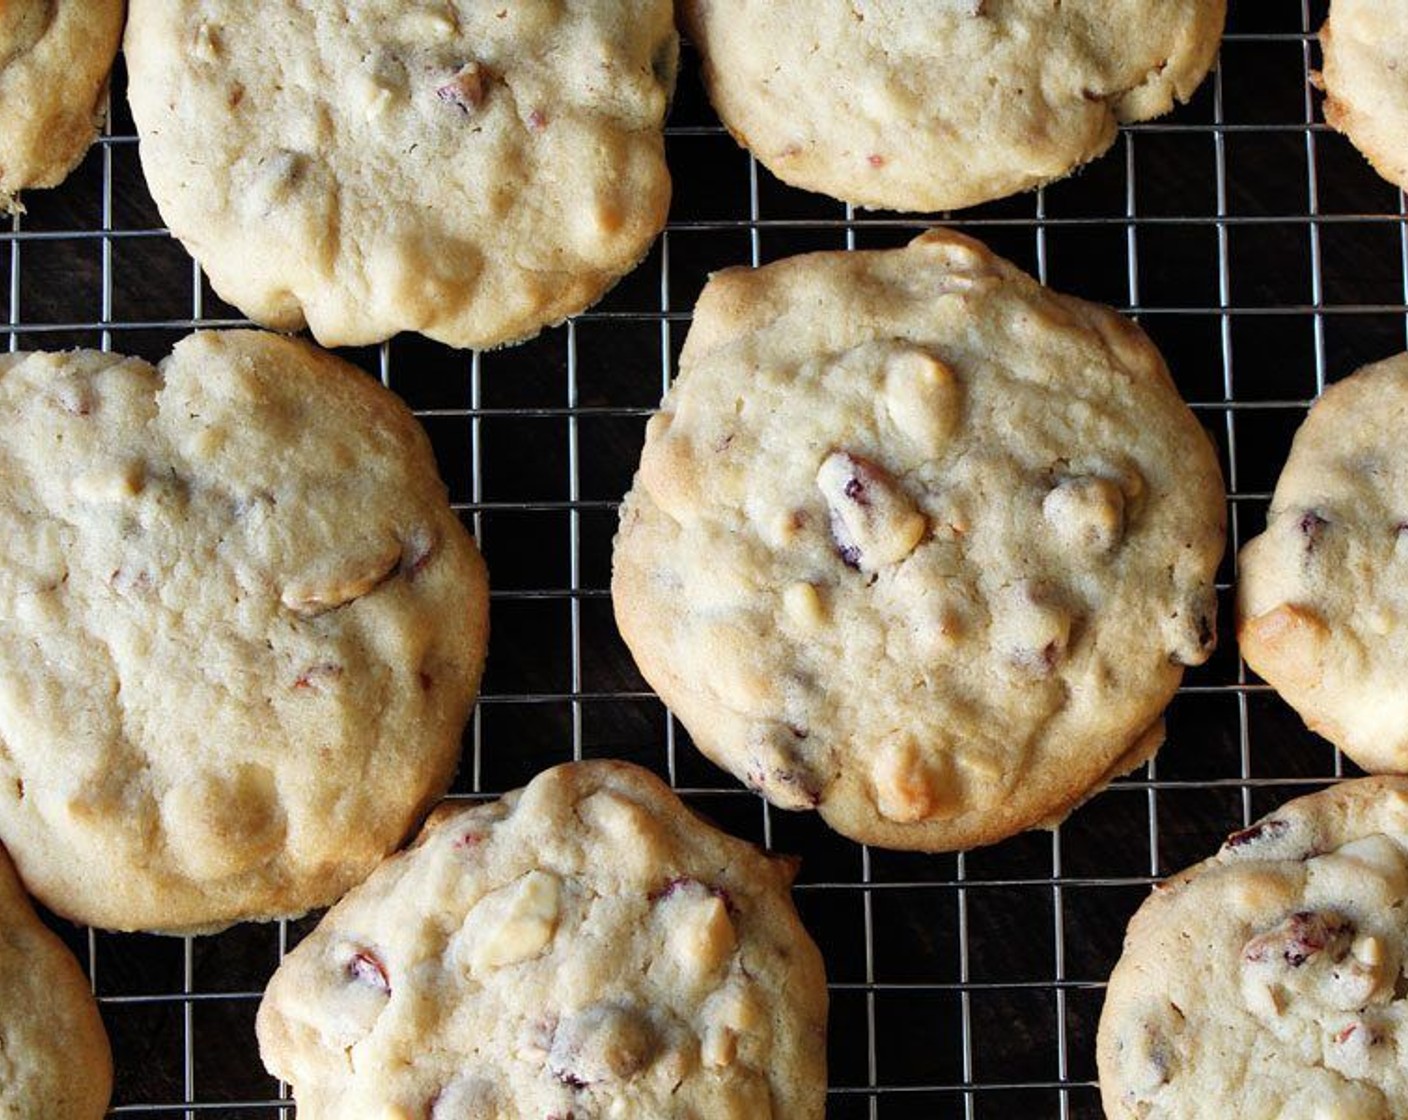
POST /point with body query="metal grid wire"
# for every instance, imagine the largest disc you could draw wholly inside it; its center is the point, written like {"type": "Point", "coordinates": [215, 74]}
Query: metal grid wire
{"type": "Point", "coordinates": [1253, 244]}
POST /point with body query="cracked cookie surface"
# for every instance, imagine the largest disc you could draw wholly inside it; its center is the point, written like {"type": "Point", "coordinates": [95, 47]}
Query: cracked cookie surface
{"type": "Point", "coordinates": [1267, 983]}
{"type": "Point", "coordinates": [240, 630]}
{"type": "Point", "coordinates": [919, 543]}
{"type": "Point", "coordinates": [55, 56]}
{"type": "Point", "coordinates": [1363, 44]}
{"type": "Point", "coordinates": [467, 170]}
{"type": "Point", "coordinates": [54, 1054]}
{"type": "Point", "coordinates": [940, 104]}
{"type": "Point", "coordinates": [584, 947]}
{"type": "Point", "coordinates": [1323, 593]}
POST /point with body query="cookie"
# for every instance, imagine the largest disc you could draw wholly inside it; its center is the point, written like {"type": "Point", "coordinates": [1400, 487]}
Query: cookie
{"type": "Point", "coordinates": [471, 171]}
{"type": "Point", "coordinates": [1265, 982]}
{"type": "Point", "coordinates": [1322, 596]}
{"type": "Point", "coordinates": [240, 630]}
{"type": "Point", "coordinates": [54, 1055]}
{"type": "Point", "coordinates": [918, 543]}
{"type": "Point", "coordinates": [944, 104]}
{"type": "Point", "coordinates": [583, 947]}
{"type": "Point", "coordinates": [1362, 45]}
{"type": "Point", "coordinates": [54, 61]}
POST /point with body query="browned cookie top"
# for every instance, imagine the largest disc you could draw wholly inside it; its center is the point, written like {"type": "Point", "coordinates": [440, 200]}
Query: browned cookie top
{"type": "Point", "coordinates": [240, 629]}
{"type": "Point", "coordinates": [1267, 982]}
{"type": "Point", "coordinates": [919, 543]}
{"type": "Point", "coordinates": [585, 947]}
{"type": "Point", "coordinates": [54, 1055]}
{"type": "Point", "coordinates": [1323, 593]}
{"type": "Point", "coordinates": [474, 171]}
{"type": "Point", "coordinates": [54, 61]}
{"type": "Point", "coordinates": [938, 104]}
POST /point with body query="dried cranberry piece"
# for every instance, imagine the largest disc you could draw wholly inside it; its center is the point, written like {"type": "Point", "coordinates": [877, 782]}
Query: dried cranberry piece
{"type": "Point", "coordinates": [1312, 527]}
{"type": "Point", "coordinates": [467, 89]}
{"type": "Point", "coordinates": [315, 675]}
{"type": "Point", "coordinates": [416, 551]}
{"type": "Point", "coordinates": [1269, 828]}
{"type": "Point", "coordinates": [363, 966]}
{"type": "Point", "coordinates": [1302, 936]}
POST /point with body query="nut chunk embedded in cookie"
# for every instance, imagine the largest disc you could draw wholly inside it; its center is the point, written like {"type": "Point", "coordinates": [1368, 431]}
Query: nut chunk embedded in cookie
{"type": "Point", "coordinates": [918, 543]}
{"type": "Point", "coordinates": [1322, 601]}
{"type": "Point", "coordinates": [1268, 981]}
{"type": "Point", "coordinates": [584, 947]}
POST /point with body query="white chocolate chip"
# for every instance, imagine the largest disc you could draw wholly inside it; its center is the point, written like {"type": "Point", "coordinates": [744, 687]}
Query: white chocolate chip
{"type": "Point", "coordinates": [428, 23]}
{"type": "Point", "coordinates": [512, 924]}
{"type": "Point", "coordinates": [373, 97]}
{"type": "Point", "coordinates": [1368, 950]}
{"type": "Point", "coordinates": [907, 789]}
{"type": "Point", "coordinates": [719, 1047]}
{"type": "Point", "coordinates": [802, 604]}
{"type": "Point", "coordinates": [923, 399]}
{"type": "Point", "coordinates": [1086, 514]}
{"type": "Point", "coordinates": [1031, 628]}
{"type": "Point", "coordinates": [701, 936]}
{"type": "Point", "coordinates": [113, 484]}
{"type": "Point", "coordinates": [207, 43]}
{"type": "Point", "coordinates": [630, 831]}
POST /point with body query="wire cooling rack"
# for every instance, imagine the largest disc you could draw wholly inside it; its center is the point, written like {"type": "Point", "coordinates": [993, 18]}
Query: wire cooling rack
{"type": "Point", "coordinates": [1254, 245]}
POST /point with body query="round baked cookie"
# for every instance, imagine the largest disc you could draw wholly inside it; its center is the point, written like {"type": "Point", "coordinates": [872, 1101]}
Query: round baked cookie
{"type": "Point", "coordinates": [54, 1055]}
{"type": "Point", "coordinates": [919, 543]}
{"type": "Point", "coordinates": [585, 947]}
{"type": "Point", "coordinates": [1267, 983]}
{"type": "Point", "coordinates": [240, 630]}
{"type": "Point", "coordinates": [54, 61]}
{"type": "Point", "coordinates": [939, 104]}
{"type": "Point", "coordinates": [1322, 597]}
{"type": "Point", "coordinates": [1363, 44]}
{"type": "Point", "coordinates": [468, 170]}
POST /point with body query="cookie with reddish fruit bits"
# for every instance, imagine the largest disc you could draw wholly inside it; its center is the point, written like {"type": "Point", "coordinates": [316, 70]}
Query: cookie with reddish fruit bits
{"type": "Point", "coordinates": [940, 104]}
{"type": "Point", "coordinates": [54, 1054]}
{"type": "Point", "coordinates": [55, 56]}
{"type": "Point", "coordinates": [1267, 983]}
{"type": "Point", "coordinates": [473, 171]}
{"type": "Point", "coordinates": [1322, 598]}
{"type": "Point", "coordinates": [919, 543]}
{"type": "Point", "coordinates": [584, 947]}
{"type": "Point", "coordinates": [1364, 43]}
{"type": "Point", "coordinates": [240, 630]}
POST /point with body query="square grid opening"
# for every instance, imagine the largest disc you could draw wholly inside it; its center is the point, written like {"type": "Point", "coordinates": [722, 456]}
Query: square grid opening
{"type": "Point", "coordinates": [1255, 246]}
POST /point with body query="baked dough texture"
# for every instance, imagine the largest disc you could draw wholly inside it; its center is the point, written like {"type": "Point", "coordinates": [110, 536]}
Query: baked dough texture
{"type": "Point", "coordinates": [55, 1063]}
{"type": "Point", "coordinates": [240, 630]}
{"type": "Point", "coordinates": [1267, 982]}
{"type": "Point", "coordinates": [1323, 593]}
{"type": "Point", "coordinates": [585, 947]}
{"type": "Point", "coordinates": [1364, 44]}
{"type": "Point", "coordinates": [55, 56]}
{"type": "Point", "coordinates": [472, 171]}
{"type": "Point", "coordinates": [940, 104]}
{"type": "Point", "coordinates": [919, 543]}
